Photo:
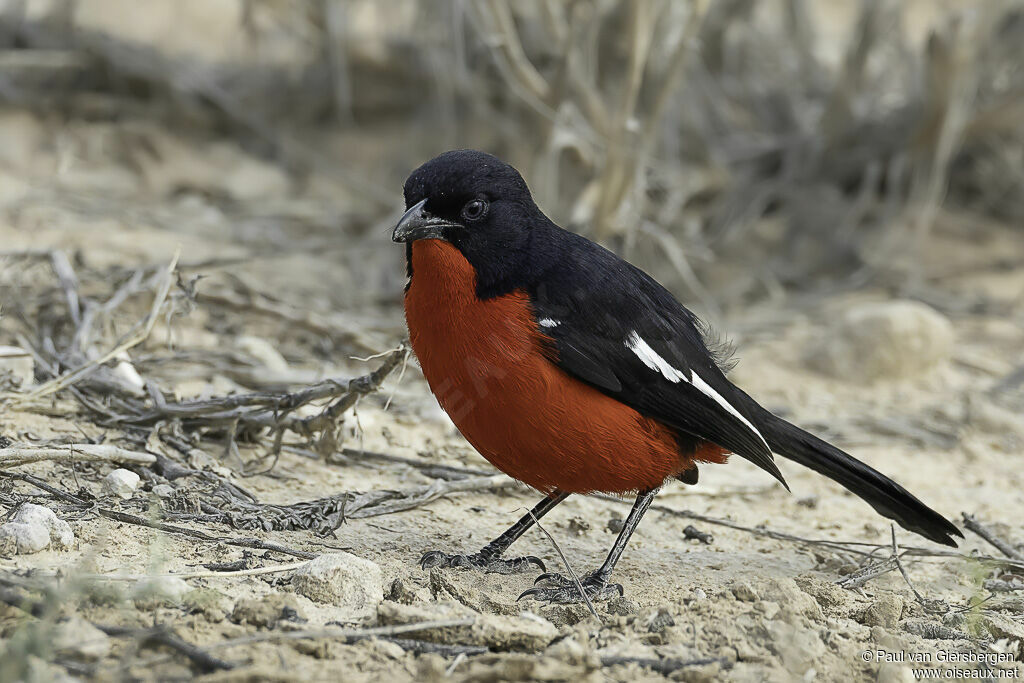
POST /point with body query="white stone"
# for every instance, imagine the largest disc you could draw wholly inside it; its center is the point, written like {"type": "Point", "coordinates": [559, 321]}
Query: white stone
{"type": "Point", "coordinates": [79, 639]}
{"type": "Point", "coordinates": [351, 583]}
{"type": "Point", "coordinates": [128, 376]}
{"type": "Point", "coordinates": [23, 539]}
{"type": "Point", "coordinates": [121, 483]}
{"type": "Point", "coordinates": [883, 340]}
{"type": "Point", "coordinates": [58, 532]}
{"type": "Point", "coordinates": [163, 490]}
{"type": "Point", "coordinates": [17, 364]}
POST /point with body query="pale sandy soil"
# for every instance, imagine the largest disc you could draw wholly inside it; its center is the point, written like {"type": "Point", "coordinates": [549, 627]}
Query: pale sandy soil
{"type": "Point", "coordinates": [764, 609]}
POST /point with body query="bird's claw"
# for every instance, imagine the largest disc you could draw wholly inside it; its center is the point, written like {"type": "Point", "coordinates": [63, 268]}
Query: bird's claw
{"type": "Point", "coordinates": [566, 590]}
{"type": "Point", "coordinates": [491, 565]}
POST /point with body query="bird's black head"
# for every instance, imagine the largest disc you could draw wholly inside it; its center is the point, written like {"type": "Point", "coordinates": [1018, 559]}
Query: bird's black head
{"type": "Point", "coordinates": [479, 204]}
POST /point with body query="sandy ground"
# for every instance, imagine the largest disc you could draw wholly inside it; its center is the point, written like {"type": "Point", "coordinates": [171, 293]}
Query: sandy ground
{"type": "Point", "coordinates": [754, 608]}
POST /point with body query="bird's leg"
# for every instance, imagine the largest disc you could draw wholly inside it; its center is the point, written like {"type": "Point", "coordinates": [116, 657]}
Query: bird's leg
{"type": "Point", "coordinates": [489, 557]}
{"type": "Point", "coordinates": [595, 584]}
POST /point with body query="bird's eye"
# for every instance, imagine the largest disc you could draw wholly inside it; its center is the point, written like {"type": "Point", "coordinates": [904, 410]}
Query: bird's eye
{"type": "Point", "coordinates": [474, 210]}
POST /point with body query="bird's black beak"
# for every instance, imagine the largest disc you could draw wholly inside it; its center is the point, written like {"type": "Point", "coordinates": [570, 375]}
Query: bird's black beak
{"type": "Point", "coordinates": [417, 224]}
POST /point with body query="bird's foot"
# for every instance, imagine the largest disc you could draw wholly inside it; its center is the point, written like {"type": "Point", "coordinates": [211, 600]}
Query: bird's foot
{"type": "Point", "coordinates": [564, 590]}
{"type": "Point", "coordinates": [491, 565]}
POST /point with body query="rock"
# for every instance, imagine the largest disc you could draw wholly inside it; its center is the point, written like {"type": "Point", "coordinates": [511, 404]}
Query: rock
{"type": "Point", "coordinates": [833, 600]}
{"type": "Point", "coordinates": [798, 647]}
{"type": "Point", "coordinates": [353, 584]}
{"type": "Point", "coordinates": [125, 374]}
{"type": "Point", "coordinates": [17, 368]}
{"type": "Point", "coordinates": [659, 620]}
{"type": "Point", "coordinates": [159, 591]}
{"type": "Point", "coordinates": [622, 606]}
{"type": "Point", "coordinates": [877, 340]}
{"type": "Point", "coordinates": [792, 601]}
{"type": "Point", "coordinates": [884, 611]}
{"type": "Point", "coordinates": [744, 592]}
{"type": "Point", "coordinates": [34, 528]}
{"type": "Point", "coordinates": [23, 539]}
{"type": "Point", "coordinates": [463, 587]}
{"type": "Point", "coordinates": [163, 490]}
{"type": "Point", "coordinates": [61, 535]}
{"type": "Point", "coordinates": [121, 483]}
{"type": "Point", "coordinates": [266, 611]}
{"type": "Point", "coordinates": [578, 526]}
{"type": "Point", "coordinates": [526, 632]}
{"type": "Point", "coordinates": [211, 603]}
{"type": "Point", "coordinates": [889, 672]}
{"type": "Point", "coordinates": [1004, 627]}
{"type": "Point", "coordinates": [768, 608]}
{"type": "Point", "coordinates": [400, 592]}
{"type": "Point", "coordinates": [79, 639]}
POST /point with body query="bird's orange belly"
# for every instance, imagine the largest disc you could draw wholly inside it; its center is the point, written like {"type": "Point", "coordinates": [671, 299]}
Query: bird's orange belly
{"type": "Point", "coordinates": [485, 363]}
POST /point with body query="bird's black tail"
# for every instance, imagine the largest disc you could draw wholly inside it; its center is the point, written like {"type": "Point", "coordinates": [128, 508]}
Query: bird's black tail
{"type": "Point", "coordinates": [886, 496]}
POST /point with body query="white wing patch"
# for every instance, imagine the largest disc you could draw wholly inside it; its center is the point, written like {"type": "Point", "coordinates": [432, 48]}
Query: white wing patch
{"type": "Point", "coordinates": [548, 322]}
{"type": "Point", "coordinates": [654, 361]}
{"type": "Point", "coordinates": [707, 390]}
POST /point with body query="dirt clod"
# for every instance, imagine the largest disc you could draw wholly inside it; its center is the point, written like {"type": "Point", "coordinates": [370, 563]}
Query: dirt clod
{"type": "Point", "coordinates": [883, 611]}
{"type": "Point", "coordinates": [351, 584]}
{"type": "Point", "coordinates": [267, 611]}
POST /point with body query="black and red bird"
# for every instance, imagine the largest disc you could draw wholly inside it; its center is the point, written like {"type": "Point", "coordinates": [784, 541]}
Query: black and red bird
{"type": "Point", "coordinates": [574, 371]}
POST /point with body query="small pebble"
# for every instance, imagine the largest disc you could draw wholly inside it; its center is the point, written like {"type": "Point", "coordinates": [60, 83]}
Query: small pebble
{"type": "Point", "coordinates": [121, 483]}
{"type": "Point", "coordinates": [744, 592]}
{"type": "Point", "coordinates": [163, 490]}
{"type": "Point", "coordinates": [579, 526]}
{"type": "Point", "coordinates": [660, 620]}
{"type": "Point", "coordinates": [693, 533]}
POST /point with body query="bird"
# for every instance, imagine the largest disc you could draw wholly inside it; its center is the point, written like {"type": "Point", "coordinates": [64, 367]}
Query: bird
{"type": "Point", "coordinates": [575, 372]}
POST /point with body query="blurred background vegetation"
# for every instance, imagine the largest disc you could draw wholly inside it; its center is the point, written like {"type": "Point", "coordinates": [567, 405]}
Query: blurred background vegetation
{"type": "Point", "coordinates": [740, 149]}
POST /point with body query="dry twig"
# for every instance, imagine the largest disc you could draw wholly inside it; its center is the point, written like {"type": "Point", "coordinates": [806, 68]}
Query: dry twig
{"type": "Point", "coordinates": [74, 452]}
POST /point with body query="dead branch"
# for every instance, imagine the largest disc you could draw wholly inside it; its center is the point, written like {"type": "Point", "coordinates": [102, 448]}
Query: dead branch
{"type": "Point", "coordinates": [326, 515]}
{"type": "Point", "coordinates": [141, 333]}
{"type": "Point", "coordinates": [75, 452]}
{"type": "Point", "coordinates": [970, 522]}
{"type": "Point", "coordinates": [118, 516]}
{"type": "Point", "coordinates": [164, 635]}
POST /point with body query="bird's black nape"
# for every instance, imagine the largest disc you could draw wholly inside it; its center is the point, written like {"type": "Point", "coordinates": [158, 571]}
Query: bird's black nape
{"type": "Point", "coordinates": [490, 215]}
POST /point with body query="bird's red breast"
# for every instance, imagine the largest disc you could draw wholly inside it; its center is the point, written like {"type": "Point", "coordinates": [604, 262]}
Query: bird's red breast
{"type": "Point", "coordinates": [485, 362]}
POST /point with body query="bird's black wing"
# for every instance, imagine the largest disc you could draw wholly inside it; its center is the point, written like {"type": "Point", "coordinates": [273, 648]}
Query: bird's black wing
{"type": "Point", "coordinates": [615, 328]}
